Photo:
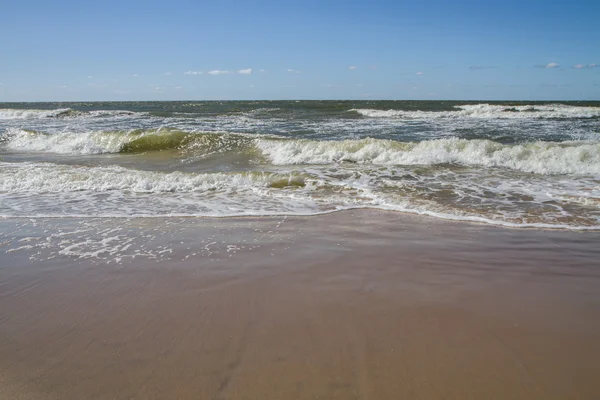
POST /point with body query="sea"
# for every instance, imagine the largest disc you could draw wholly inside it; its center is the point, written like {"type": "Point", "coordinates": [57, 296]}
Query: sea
{"type": "Point", "coordinates": [514, 164]}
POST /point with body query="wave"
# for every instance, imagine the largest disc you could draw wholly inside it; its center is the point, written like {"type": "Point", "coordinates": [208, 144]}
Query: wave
{"type": "Point", "coordinates": [47, 177]}
{"type": "Point", "coordinates": [46, 189]}
{"type": "Point", "coordinates": [132, 141]}
{"type": "Point", "coordinates": [53, 190]}
{"type": "Point", "coordinates": [537, 157]}
{"type": "Point", "coordinates": [203, 143]}
{"type": "Point", "coordinates": [540, 157]}
{"type": "Point", "coordinates": [7, 113]}
{"type": "Point", "coordinates": [491, 111]}
{"type": "Point", "coordinates": [31, 114]}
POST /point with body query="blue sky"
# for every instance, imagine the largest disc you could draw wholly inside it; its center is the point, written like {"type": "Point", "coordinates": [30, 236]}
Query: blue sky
{"type": "Point", "coordinates": [188, 50]}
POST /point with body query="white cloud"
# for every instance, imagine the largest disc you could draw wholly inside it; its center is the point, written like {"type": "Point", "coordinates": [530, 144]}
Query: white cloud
{"type": "Point", "coordinates": [262, 70]}
{"type": "Point", "coordinates": [193, 73]}
{"type": "Point", "coordinates": [293, 71]}
{"type": "Point", "coordinates": [549, 65]}
{"type": "Point", "coordinates": [90, 77]}
{"type": "Point", "coordinates": [585, 66]}
{"type": "Point", "coordinates": [178, 87]}
{"type": "Point", "coordinates": [135, 75]}
{"type": "Point", "coordinates": [218, 72]}
{"type": "Point", "coordinates": [63, 87]}
{"type": "Point", "coordinates": [168, 73]}
{"type": "Point", "coordinates": [157, 88]}
{"type": "Point", "coordinates": [419, 73]}
{"type": "Point", "coordinates": [352, 68]}
{"type": "Point", "coordinates": [245, 71]}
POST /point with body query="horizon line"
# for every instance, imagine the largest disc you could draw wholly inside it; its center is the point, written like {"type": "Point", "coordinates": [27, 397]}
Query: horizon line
{"type": "Point", "coordinates": [247, 100]}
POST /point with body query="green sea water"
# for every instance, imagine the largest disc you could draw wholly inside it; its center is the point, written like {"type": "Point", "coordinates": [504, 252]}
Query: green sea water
{"type": "Point", "coordinates": [522, 164]}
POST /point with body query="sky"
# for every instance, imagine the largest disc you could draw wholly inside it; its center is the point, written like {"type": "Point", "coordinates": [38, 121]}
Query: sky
{"type": "Point", "coordinates": [326, 49]}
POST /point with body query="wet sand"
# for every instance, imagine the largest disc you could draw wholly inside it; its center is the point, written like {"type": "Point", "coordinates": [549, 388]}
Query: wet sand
{"type": "Point", "coordinates": [352, 305]}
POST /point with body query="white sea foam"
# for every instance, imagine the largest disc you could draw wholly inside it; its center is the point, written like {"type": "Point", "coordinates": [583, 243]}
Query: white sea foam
{"type": "Point", "coordinates": [536, 157]}
{"type": "Point", "coordinates": [63, 143]}
{"type": "Point", "coordinates": [491, 111]}
{"type": "Point", "coordinates": [100, 142]}
{"type": "Point", "coordinates": [63, 190]}
{"type": "Point", "coordinates": [37, 177]}
{"type": "Point", "coordinates": [512, 180]}
{"type": "Point", "coordinates": [8, 113]}
{"type": "Point", "coordinates": [45, 189]}
{"type": "Point", "coordinates": [575, 157]}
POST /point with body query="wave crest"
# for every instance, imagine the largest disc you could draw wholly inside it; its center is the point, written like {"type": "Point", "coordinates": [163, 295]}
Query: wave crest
{"type": "Point", "coordinates": [491, 111]}
{"type": "Point", "coordinates": [134, 141]}
{"type": "Point", "coordinates": [56, 178]}
{"type": "Point", "coordinates": [537, 157]}
{"type": "Point", "coordinates": [575, 157]}
{"type": "Point", "coordinates": [10, 113]}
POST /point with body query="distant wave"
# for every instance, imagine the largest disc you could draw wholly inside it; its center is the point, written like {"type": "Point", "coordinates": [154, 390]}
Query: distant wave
{"type": "Point", "coordinates": [8, 113]}
{"type": "Point", "coordinates": [491, 111]}
{"type": "Point", "coordinates": [31, 114]}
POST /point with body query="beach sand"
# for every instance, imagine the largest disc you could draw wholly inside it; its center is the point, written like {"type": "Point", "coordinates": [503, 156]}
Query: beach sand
{"type": "Point", "coordinates": [351, 305]}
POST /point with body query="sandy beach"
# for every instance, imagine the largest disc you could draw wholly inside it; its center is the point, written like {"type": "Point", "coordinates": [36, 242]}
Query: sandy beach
{"type": "Point", "coordinates": [352, 305]}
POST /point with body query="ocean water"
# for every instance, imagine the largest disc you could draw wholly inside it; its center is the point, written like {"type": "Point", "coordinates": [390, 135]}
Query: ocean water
{"type": "Point", "coordinates": [533, 164]}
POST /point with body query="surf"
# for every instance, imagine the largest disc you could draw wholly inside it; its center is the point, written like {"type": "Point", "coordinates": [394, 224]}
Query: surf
{"type": "Point", "coordinates": [126, 142]}
{"type": "Point", "coordinates": [489, 111]}
{"type": "Point", "coordinates": [536, 157]}
{"type": "Point", "coordinates": [540, 157]}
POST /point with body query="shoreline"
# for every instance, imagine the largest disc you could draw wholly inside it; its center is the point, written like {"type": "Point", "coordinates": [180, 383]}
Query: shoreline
{"type": "Point", "coordinates": [360, 304]}
{"type": "Point", "coordinates": [426, 214]}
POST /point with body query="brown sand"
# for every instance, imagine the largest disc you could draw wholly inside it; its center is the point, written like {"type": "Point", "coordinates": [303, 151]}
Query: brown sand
{"type": "Point", "coordinates": [353, 305]}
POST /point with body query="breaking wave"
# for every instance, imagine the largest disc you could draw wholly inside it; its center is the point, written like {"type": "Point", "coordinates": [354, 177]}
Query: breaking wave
{"type": "Point", "coordinates": [39, 177]}
{"type": "Point", "coordinates": [134, 141]}
{"type": "Point", "coordinates": [45, 189]}
{"type": "Point", "coordinates": [491, 111]}
{"type": "Point", "coordinates": [540, 157]}
{"type": "Point", "coordinates": [31, 114]}
{"type": "Point", "coordinates": [537, 157]}
{"type": "Point", "coordinates": [8, 113]}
